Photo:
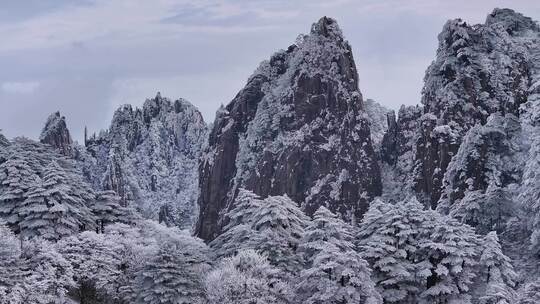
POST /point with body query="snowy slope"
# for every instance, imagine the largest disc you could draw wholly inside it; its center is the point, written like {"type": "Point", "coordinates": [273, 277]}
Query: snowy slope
{"type": "Point", "coordinates": [149, 156]}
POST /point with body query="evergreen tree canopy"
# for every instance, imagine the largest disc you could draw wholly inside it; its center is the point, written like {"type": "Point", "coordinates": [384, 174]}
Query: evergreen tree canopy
{"type": "Point", "coordinates": [417, 255]}
{"type": "Point", "coordinates": [272, 226]}
{"type": "Point", "coordinates": [246, 278]}
{"type": "Point", "coordinates": [335, 272]}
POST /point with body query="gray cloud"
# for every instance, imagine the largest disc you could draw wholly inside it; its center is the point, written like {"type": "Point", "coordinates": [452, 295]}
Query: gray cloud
{"type": "Point", "coordinates": [87, 59]}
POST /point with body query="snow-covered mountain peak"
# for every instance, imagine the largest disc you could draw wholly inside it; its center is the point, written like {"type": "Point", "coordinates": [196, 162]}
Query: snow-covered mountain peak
{"type": "Point", "coordinates": [297, 128]}
{"type": "Point", "coordinates": [150, 155]}
{"type": "Point", "coordinates": [327, 27]}
{"type": "Point", "coordinates": [511, 20]}
{"type": "Point", "coordinates": [56, 134]}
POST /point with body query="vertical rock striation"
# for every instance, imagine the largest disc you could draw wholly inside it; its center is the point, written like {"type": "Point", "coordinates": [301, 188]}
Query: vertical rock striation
{"type": "Point", "coordinates": [479, 70]}
{"type": "Point", "coordinates": [297, 128]}
{"type": "Point", "coordinates": [56, 134]}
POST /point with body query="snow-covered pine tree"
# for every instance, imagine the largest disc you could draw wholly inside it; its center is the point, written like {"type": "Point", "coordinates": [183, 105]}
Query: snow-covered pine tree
{"type": "Point", "coordinates": [325, 227]}
{"type": "Point", "coordinates": [530, 293]}
{"type": "Point", "coordinates": [486, 211]}
{"type": "Point", "coordinates": [389, 240]}
{"type": "Point", "coordinates": [11, 275]}
{"type": "Point", "coordinates": [335, 272]}
{"type": "Point", "coordinates": [49, 274]}
{"type": "Point", "coordinates": [530, 192]}
{"type": "Point", "coordinates": [95, 262]}
{"type": "Point", "coordinates": [497, 272]}
{"type": "Point", "coordinates": [169, 277]}
{"type": "Point", "coordinates": [419, 256]}
{"type": "Point", "coordinates": [55, 208]}
{"type": "Point", "coordinates": [34, 213]}
{"type": "Point", "coordinates": [246, 278]}
{"type": "Point", "coordinates": [107, 209]}
{"type": "Point", "coordinates": [140, 243]}
{"type": "Point", "coordinates": [337, 277]}
{"type": "Point", "coordinates": [272, 226]}
{"type": "Point", "coordinates": [451, 249]}
{"type": "Point", "coordinates": [16, 178]}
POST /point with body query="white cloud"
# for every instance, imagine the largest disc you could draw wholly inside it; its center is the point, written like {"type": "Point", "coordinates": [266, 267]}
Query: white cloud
{"type": "Point", "coordinates": [27, 87]}
{"type": "Point", "coordinates": [114, 20]}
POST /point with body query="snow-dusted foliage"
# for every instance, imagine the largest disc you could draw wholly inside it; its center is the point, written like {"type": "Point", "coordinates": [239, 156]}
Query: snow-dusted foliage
{"type": "Point", "coordinates": [529, 192]}
{"type": "Point", "coordinates": [42, 192]}
{"type": "Point", "coordinates": [55, 207]}
{"type": "Point", "coordinates": [11, 274]}
{"type": "Point", "coordinates": [169, 278]}
{"type": "Point", "coordinates": [334, 272]}
{"type": "Point", "coordinates": [297, 141]}
{"type": "Point", "coordinates": [94, 259]}
{"type": "Point", "coordinates": [49, 275]}
{"type": "Point", "coordinates": [144, 263]}
{"type": "Point", "coordinates": [17, 178]}
{"type": "Point", "coordinates": [149, 157]}
{"type": "Point", "coordinates": [497, 272]}
{"type": "Point", "coordinates": [481, 179]}
{"type": "Point", "coordinates": [530, 293]}
{"type": "Point", "coordinates": [246, 278]}
{"type": "Point", "coordinates": [417, 255]}
{"type": "Point", "coordinates": [107, 209]}
{"type": "Point", "coordinates": [272, 226]}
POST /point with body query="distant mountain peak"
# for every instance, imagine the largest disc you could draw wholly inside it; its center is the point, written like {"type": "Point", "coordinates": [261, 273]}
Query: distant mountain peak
{"type": "Point", "coordinates": [511, 20]}
{"type": "Point", "coordinates": [56, 133]}
{"type": "Point", "coordinates": [327, 27]}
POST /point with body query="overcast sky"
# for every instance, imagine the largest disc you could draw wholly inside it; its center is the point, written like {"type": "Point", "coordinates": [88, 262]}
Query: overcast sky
{"type": "Point", "coordinates": [87, 57]}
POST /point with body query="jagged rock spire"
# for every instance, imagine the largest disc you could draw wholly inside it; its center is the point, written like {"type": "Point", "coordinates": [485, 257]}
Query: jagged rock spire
{"type": "Point", "coordinates": [479, 70]}
{"type": "Point", "coordinates": [327, 27]}
{"type": "Point", "coordinates": [56, 134]}
{"type": "Point", "coordinates": [297, 128]}
{"type": "Point", "coordinates": [149, 157]}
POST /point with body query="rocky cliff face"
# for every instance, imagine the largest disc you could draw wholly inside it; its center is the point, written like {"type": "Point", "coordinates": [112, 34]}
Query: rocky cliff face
{"type": "Point", "coordinates": [479, 70]}
{"type": "Point", "coordinates": [378, 120]}
{"type": "Point", "coordinates": [297, 128]}
{"type": "Point", "coordinates": [56, 134]}
{"type": "Point", "coordinates": [149, 156]}
{"type": "Point", "coordinates": [482, 177]}
{"type": "Point", "coordinates": [398, 145]}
